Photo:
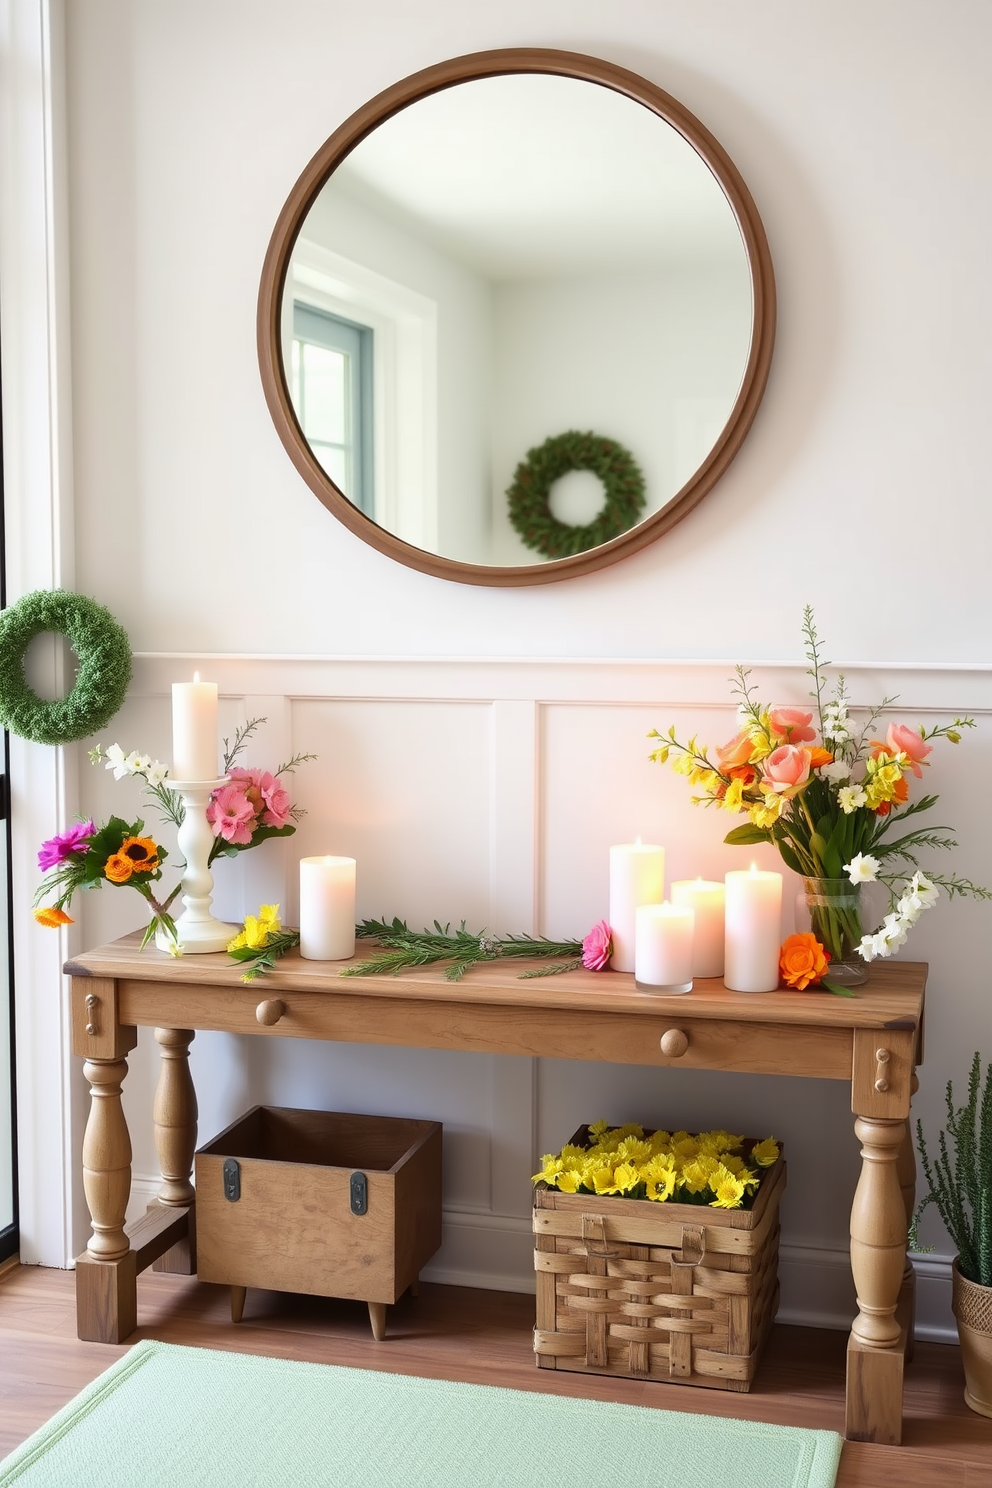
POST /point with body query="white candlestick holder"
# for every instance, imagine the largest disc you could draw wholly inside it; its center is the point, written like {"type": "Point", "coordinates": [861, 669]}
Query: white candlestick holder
{"type": "Point", "coordinates": [197, 931]}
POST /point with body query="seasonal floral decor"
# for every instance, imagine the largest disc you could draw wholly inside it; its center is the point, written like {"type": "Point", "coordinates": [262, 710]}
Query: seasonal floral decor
{"type": "Point", "coordinates": [262, 941]}
{"type": "Point", "coordinates": [714, 1168]}
{"type": "Point", "coordinates": [401, 949]}
{"type": "Point", "coordinates": [253, 807]}
{"type": "Point", "coordinates": [831, 797]}
{"type": "Point", "coordinates": [104, 652]}
{"type": "Point", "coordinates": [802, 961]}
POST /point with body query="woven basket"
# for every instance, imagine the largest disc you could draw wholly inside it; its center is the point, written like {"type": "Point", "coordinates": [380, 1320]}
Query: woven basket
{"type": "Point", "coordinates": [972, 1307]}
{"type": "Point", "coordinates": [673, 1292]}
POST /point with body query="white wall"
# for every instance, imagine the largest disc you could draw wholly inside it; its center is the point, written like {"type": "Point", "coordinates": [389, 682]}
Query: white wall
{"type": "Point", "coordinates": [862, 487]}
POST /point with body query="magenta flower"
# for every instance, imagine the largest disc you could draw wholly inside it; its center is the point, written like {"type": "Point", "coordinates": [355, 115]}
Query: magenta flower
{"type": "Point", "coordinates": [597, 948]}
{"type": "Point", "coordinates": [58, 850]}
{"type": "Point", "coordinates": [231, 814]}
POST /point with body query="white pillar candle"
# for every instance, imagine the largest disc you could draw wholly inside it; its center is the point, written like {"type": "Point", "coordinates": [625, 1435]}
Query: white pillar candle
{"type": "Point", "coordinates": [327, 908]}
{"type": "Point", "coordinates": [663, 955]}
{"type": "Point", "coordinates": [637, 876]}
{"type": "Point", "coordinates": [194, 730]}
{"type": "Point", "coordinates": [753, 930]}
{"type": "Point", "coordinates": [706, 900]}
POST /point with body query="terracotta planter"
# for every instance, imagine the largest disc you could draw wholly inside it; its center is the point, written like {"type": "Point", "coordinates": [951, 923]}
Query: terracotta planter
{"type": "Point", "coordinates": [972, 1307]}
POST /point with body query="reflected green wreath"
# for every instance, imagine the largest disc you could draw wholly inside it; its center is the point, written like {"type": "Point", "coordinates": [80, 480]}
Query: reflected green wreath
{"type": "Point", "coordinates": [534, 477]}
{"type": "Point", "coordinates": [104, 653]}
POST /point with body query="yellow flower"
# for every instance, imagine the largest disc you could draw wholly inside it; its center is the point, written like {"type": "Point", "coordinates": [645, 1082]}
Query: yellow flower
{"type": "Point", "coordinates": [766, 813]}
{"type": "Point", "coordinates": [599, 1129]}
{"type": "Point", "coordinates": [142, 852]}
{"type": "Point", "coordinates": [549, 1172]}
{"type": "Point", "coordinates": [52, 918]}
{"type": "Point", "coordinates": [602, 1181]}
{"type": "Point", "coordinates": [568, 1182]}
{"type": "Point", "coordinates": [684, 765]}
{"type": "Point", "coordinates": [634, 1149]}
{"type": "Point", "coordinates": [626, 1177]}
{"type": "Point", "coordinates": [660, 1176]}
{"type": "Point", "coordinates": [268, 915]}
{"type": "Point", "coordinates": [696, 1174]}
{"type": "Point", "coordinates": [734, 799]}
{"type": "Point", "coordinates": [765, 1153]}
{"type": "Point", "coordinates": [729, 1190]}
{"type": "Point", "coordinates": [684, 1147]}
{"type": "Point", "coordinates": [720, 1141]}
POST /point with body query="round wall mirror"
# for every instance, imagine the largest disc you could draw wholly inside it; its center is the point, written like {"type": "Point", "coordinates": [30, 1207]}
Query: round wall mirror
{"type": "Point", "coordinates": [525, 272]}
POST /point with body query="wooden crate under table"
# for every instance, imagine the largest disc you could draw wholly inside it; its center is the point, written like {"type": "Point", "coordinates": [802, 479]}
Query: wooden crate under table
{"type": "Point", "coordinates": [675, 1292]}
{"type": "Point", "coordinates": [292, 1227]}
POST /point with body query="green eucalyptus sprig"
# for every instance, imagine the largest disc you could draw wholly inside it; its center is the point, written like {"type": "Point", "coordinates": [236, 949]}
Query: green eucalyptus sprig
{"type": "Point", "coordinates": [403, 949]}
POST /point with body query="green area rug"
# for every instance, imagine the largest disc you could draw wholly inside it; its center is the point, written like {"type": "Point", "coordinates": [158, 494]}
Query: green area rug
{"type": "Point", "coordinates": [168, 1417]}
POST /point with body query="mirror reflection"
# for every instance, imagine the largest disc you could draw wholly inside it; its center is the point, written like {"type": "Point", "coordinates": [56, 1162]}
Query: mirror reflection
{"type": "Point", "coordinates": [497, 264]}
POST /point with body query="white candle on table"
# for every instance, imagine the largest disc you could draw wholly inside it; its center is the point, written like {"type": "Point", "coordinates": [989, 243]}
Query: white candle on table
{"type": "Point", "coordinates": [637, 876]}
{"type": "Point", "coordinates": [706, 900]}
{"type": "Point", "coordinates": [194, 730]}
{"type": "Point", "coordinates": [753, 930]}
{"type": "Point", "coordinates": [327, 908]}
{"type": "Point", "coordinates": [663, 956]}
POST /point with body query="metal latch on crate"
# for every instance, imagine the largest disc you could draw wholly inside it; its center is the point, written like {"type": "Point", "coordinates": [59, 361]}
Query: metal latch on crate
{"type": "Point", "coordinates": [359, 1188]}
{"type": "Point", "coordinates": [232, 1179]}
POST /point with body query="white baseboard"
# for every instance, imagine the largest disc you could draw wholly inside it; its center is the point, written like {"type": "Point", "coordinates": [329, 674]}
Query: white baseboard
{"type": "Point", "coordinates": [496, 1254]}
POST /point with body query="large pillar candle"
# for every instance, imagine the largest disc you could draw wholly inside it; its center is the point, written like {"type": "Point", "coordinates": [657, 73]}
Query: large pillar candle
{"type": "Point", "coordinates": [637, 876]}
{"type": "Point", "coordinates": [663, 955]}
{"type": "Point", "coordinates": [194, 730]}
{"type": "Point", "coordinates": [753, 930]}
{"type": "Point", "coordinates": [327, 908]}
{"type": "Point", "coordinates": [706, 900]}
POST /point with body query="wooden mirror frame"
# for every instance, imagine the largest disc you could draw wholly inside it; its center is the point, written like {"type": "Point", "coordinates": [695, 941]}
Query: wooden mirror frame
{"type": "Point", "coordinates": [311, 183]}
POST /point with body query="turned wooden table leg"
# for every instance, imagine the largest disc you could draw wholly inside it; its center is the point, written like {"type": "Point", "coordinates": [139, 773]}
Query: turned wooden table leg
{"type": "Point", "coordinates": [175, 1140]}
{"type": "Point", "coordinates": [106, 1279]}
{"type": "Point", "coordinates": [881, 1090]}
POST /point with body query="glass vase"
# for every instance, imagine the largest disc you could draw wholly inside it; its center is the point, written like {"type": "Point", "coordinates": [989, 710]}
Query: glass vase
{"type": "Point", "coordinates": [834, 908]}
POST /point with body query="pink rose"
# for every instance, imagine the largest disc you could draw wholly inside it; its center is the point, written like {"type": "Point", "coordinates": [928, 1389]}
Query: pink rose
{"type": "Point", "coordinates": [791, 724]}
{"type": "Point", "coordinates": [597, 948]}
{"type": "Point", "coordinates": [276, 799]}
{"type": "Point", "coordinates": [786, 770]}
{"type": "Point", "coordinates": [231, 814]}
{"type": "Point", "coordinates": [907, 741]}
{"type": "Point", "coordinates": [738, 752]}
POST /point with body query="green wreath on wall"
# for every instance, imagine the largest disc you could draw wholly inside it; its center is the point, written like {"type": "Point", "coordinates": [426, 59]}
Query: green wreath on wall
{"type": "Point", "coordinates": [534, 477]}
{"type": "Point", "coordinates": [104, 653]}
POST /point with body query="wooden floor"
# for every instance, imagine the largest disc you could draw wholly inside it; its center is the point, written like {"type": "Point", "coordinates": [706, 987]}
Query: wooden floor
{"type": "Point", "coordinates": [483, 1337]}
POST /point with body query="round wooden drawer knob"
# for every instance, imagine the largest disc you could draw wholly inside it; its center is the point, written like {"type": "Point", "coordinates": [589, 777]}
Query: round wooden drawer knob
{"type": "Point", "coordinates": [674, 1043]}
{"type": "Point", "coordinates": [269, 1013]}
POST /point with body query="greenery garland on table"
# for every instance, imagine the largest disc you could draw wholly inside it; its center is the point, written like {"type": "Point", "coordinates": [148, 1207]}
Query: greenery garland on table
{"type": "Point", "coordinates": [532, 481]}
{"type": "Point", "coordinates": [403, 949]}
{"type": "Point", "coordinates": [104, 653]}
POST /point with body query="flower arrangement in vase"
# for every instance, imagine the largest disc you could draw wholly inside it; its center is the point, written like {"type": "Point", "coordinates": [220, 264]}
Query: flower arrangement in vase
{"type": "Point", "coordinates": [835, 802]}
{"type": "Point", "coordinates": [249, 808]}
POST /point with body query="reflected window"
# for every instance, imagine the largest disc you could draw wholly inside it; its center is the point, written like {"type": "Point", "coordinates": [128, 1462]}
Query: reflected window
{"type": "Point", "coordinates": [332, 394]}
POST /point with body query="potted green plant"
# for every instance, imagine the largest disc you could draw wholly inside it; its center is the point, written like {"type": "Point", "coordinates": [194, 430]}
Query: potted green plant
{"type": "Point", "coordinates": [959, 1184]}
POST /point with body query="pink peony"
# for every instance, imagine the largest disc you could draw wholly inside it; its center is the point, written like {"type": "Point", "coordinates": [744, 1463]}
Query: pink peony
{"type": "Point", "coordinates": [791, 724]}
{"type": "Point", "coordinates": [58, 850]}
{"type": "Point", "coordinates": [786, 770]}
{"type": "Point", "coordinates": [907, 741]}
{"type": "Point", "coordinates": [231, 814]}
{"type": "Point", "coordinates": [597, 948]}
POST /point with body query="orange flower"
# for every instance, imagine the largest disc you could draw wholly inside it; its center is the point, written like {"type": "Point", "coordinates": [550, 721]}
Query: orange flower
{"type": "Point", "coordinates": [738, 752]}
{"type": "Point", "coordinates": [141, 852]}
{"type": "Point", "coordinates": [819, 758]}
{"type": "Point", "coordinates": [802, 961]}
{"type": "Point", "coordinates": [52, 918]}
{"type": "Point", "coordinates": [118, 869]}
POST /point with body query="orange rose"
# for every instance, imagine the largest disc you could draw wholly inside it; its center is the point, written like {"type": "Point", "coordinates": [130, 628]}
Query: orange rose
{"type": "Point", "coordinates": [737, 752]}
{"type": "Point", "coordinates": [802, 961]}
{"type": "Point", "coordinates": [118, 869]}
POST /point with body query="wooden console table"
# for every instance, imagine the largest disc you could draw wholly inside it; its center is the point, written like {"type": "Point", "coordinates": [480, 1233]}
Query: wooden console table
{"type": "Point", "coordinates": [873, 1041]}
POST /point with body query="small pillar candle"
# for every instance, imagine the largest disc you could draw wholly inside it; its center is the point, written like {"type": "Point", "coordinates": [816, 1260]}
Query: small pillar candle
{"type": "Point", "coordinates": [706, 900]}
{"type": "Point", "coordinates": [194, 730]}
{"type": "Point", "coordinates": [327, 908]}
{"type": "Point", "coordinates": [753, 936]}
{"type": "Point", "coordinates": [663, 957]}
{"type": "Point", "coordinates": [637, 876]}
